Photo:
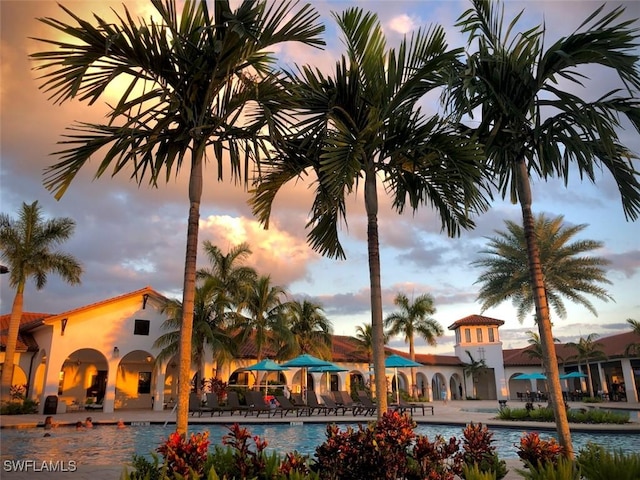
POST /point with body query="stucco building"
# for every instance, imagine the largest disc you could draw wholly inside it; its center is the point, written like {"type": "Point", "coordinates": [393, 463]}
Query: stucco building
{"type": "Point", "coordinates": [103, 354]}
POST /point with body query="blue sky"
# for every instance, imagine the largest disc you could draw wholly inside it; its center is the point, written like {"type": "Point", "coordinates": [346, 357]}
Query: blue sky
{"type": "Point", "coordinates": [128, 237]}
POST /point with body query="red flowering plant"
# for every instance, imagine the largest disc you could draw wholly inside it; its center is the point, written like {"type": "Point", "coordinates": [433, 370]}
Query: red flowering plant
{"type": "Point", "coordinates": [477, 449]}
{"type": "Point", "coordinates": [185, 457]}
{"type": "Point", "coordinates": [437, 460]}
{"type": "Point", "coordinates": [294, 462]}
{"type": "Point", "coordinates": [535, 451]}
{"type": "Point", "coordinates": [248, 462]}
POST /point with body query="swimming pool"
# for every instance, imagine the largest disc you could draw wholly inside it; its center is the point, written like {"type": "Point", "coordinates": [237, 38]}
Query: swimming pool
{"type": "Point", "coordinates": [107, 445]}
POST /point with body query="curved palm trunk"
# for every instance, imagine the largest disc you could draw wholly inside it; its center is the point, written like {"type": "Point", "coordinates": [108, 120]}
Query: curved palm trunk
{"type": "Point", "coordinates": [189, 289]}
{"type": "Point", "coordinates": [589, 379]}
{"type": "Point", "coordinates": [377, 328]}
{"type": "Point", "coordinates": [542, 311]}
{"type": "Point", "coordinates": [12, 341]}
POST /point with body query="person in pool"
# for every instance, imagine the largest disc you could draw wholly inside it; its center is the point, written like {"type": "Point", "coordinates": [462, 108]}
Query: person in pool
{"type": "Point", "coordinates": [88, 422]}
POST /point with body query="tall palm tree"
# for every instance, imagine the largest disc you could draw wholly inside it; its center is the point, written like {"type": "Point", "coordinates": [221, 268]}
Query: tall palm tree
{"type": "Point", "coordinates": [588, 349]}
{"type": "Point", "coordinates": [28, 246]}
{"type": "Point", "coordinates": [312, 331]}
{"type": "Point", "coordinates": [229, 279]}
{"type": "Point", "coordinates": [531, 126]}
{"type": "Point", "coordinates": [414, 318]}
{"type": "Point", "coordinates": [364, 124]}
{"type": "Point", "coordinates": [263, 315]}
{"type": "Point", "coordinates": [208, 332]}
{"type": "Point", "coordinates": [633, 347]}
{"type": "Point", "coordinates": [190, 77]}
{"type": "Point", "coordinates": [568, 269]}
{"type": "Point", "coordinates": [364, 340]}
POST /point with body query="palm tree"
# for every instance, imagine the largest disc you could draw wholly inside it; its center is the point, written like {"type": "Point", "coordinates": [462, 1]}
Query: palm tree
{"type": "Point", "coordinates": [28, 247]}
{"type": "Point", "coordinates": [364, 340]}
{"type": "Point", "coordinates": [311, 329]}
{"type": "Point", "coordinates": [567, 268]}
{"type": "Point", "coordinates": [190, 78]}
{"type": "Point", "coordinates": [588, 349]}
{"type": "Point", "coordinates": [414, 318]}
{"type": "Point", "coordinates": [474, 369]}
{"type": "Point", "coordinates": [262, 316]}
{"type": "Point", "coordinates": [633, 347]}
{"type": "Point", "coordinates": [530, 125]}
{"type": "Point", "coordinates": [364, 125]}
{"type": "Point", "coordinates": [208, 332]}
{"type": "Point", "coordinates": [228, 279]}
{"type": "Point", "coordinates": [535, 350]}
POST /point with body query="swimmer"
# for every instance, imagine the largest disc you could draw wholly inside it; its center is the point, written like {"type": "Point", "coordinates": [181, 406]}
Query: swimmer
{"type": "Point", "coordinates": [121, 424]}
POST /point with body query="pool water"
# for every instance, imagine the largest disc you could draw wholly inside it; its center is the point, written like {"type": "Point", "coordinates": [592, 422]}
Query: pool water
{"type": "Point", "coordinates": [107, 445]}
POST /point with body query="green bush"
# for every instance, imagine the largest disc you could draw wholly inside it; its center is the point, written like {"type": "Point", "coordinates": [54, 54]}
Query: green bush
{"type": "Point", "coordinates": [473, 472]}
{"type": "Point", "coordinates": [598, 464]}
{"type": "Point", "coordinates": [545, 414]}
{"type": "Point", "coordinates": [19, 407]}
{"type": "Point", "coordinates": [562, 469]}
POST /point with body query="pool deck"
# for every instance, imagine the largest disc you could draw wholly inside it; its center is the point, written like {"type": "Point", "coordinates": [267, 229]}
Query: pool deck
{"type": "Point", "coordinates": [458, 412]}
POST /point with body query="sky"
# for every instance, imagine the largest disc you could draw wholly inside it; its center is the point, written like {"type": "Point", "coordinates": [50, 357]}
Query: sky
{"type": "Point", "coordinates": [127, 236]}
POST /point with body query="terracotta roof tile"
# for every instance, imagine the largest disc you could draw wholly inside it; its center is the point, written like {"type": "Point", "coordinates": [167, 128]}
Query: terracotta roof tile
{"type": "Point", "coordinates": [475, 320]}
{"type": "Point", "coordinates": [29, 320]}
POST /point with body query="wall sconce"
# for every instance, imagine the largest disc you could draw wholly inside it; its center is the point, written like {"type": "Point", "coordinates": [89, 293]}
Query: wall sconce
{"type": "Point", "coordinates": [63, 325]}
{"type": "Point", "coordinates": [116, 352]}
{"type": "Point", "coordinates": [149, 358]}
{"type": "Point", "coordinates": [145, 297]}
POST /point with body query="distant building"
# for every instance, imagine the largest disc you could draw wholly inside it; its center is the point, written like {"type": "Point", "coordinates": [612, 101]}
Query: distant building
{"type": "Point", "coordinates": [102, 356]}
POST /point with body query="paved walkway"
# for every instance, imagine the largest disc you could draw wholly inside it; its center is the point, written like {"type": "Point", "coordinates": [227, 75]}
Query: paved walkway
{"type": "Point", "coordinates": [451, 413]}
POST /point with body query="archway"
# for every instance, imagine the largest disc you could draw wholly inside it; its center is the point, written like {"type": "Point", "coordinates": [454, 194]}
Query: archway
{"type": "Point", "coordinates": [134, 381]}
{"type": "Point", "coordinates": [422, 386]}
{"type": "Point", "coordinates": [83, 378]}
{"type": "Point", "coordinates": [455, 387]}
{"type": "Point", "coordinates": [439, 387]}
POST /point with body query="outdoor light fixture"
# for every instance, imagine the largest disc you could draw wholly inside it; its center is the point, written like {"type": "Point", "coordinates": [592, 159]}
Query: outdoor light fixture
{"type": "Point", "coordinates": [145, 297]}
{"type": "Point", "coordinates": [116, 352]}
{"type": "Point", "coordinates": [149, 358]}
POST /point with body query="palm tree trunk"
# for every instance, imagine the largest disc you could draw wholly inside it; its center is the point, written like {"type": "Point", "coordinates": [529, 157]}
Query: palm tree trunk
{"type": "Point", "coordinates": [12, 341]}
{"type": "Point", "coordinates": [189, 289]}
{"type": "Point", "coordinates": [542, 311]}
{"type": "Point", "coordinates": [589, 379]}
{"type": "Point", "coordinates": [377, 328]}
{"type": "Point", "coordinates": [412, 355]}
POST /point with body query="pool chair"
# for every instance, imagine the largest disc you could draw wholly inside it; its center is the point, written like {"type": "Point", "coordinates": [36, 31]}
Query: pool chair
{"type": "Point", "coordinates": [233, 403]}
{"type": "Point", "coordinates": [196, 406]}
{"type": "Point", "coordinates": [330, 402]}
{"type": "Point", "coordinates": [214, 404]}
{"type": "Point", "coordinates": [285, 407]}
{"type": "Point", "coordinates": [410, 407]}
{"type": "Point", "coordinates": [367, 407]}
{"type": "Point", "coordinates": [316, 406]}
{"type": "Point", "coordinates": [342, 397]}
{"type": "Point", "coordinates": [256, 404]}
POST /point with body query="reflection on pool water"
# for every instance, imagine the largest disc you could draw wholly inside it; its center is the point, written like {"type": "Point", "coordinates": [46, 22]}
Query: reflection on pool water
{"type": "Point", "coordinates": [107, 445]}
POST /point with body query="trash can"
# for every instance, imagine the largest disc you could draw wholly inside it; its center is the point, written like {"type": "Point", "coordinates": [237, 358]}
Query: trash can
{"type": "Point", "coordinates": [51, 405]}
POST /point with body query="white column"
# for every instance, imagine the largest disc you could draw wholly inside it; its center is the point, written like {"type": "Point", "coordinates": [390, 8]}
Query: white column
{"type": "Point", "coordinates": [629, 380]}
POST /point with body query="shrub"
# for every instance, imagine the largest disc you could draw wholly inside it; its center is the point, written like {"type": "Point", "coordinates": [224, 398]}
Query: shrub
{"type": "Point", "coordinates": [19, 407]}
{"type": "Point", "coordinates": [598, 464]}
{"type": "Point", "coordinates": [534, 450]}
{"type": "Point", "coordinates": [563, 469]}
{"type": "Point", "coordinates": [437, 460]}
{"type": "Point", "coordinates": [185, 457]}
{"type": "Point", "coordinates": [473, 472]}
{"type": "Point", "coordinates": [477, 449]}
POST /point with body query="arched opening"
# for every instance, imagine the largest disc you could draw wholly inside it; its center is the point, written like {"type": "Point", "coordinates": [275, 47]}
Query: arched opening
{"type": "Point", "coordinates": [134, 381]}
{"type": "Point", "coordinates": [83, 378]}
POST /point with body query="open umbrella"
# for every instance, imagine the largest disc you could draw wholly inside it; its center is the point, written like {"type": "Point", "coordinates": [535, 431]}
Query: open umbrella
{"type": "Point", "coordinates": [304, 362]}
{"type": "Point", "coordinates": [266, 365]}
{"type": "Point", "coordinates": [395, 362]}
{"type": "Point", "coordinates": [573, 375]}
{"type": "Point", "coordinates": [331, 368]}
{"type": "Point", "coordinates": [530, 376]}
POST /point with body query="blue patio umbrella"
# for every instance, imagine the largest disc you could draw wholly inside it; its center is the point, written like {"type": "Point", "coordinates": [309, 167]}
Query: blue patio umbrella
{"type": "Point", "coordinates": [304, 362]}
{"type": "Point", "coordinates": [266, 365]}
{"type": "Point", "coordinates": [396, 362]}
{"type": "Point", "coordinates": [531, 376]}
{"type": "Point", "coordinates": [565, 376]}
{"type": "Point", "coordinates": [331, 368]}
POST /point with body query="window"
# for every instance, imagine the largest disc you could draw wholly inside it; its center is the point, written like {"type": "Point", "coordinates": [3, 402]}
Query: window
{"type": "Point", "coordinates": [458, 335]}
{"type": "Point", "coordinates": [467, 335]}
{"type": "Point", "coordinates": [144, 382]}
{"type": "Point", "coordinates": [479, 334]}
{"type": "Point", "coordinates": [492, 337]}
{"type": "Point", "coordinates": [60, 382]}
{"type": "Point", "coordinates": [141, 327]}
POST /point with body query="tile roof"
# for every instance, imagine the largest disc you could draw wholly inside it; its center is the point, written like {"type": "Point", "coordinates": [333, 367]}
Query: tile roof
{"type": "Point", "coordinates": [29, 321]}
{"type": "Point", "coordinates": [475, 320]}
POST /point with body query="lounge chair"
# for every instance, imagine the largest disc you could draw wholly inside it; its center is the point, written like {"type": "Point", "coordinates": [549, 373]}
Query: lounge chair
{"type": "Point", "coordinates": [366, 404]}
{"type": "Point", "coordinates": [285, 407]}
{"type": "Point", "coordinates": [405, 406]}
{"type": "Point", "coordinates": [214, 404]}
{"type": "Point", "coordinates": [195, 405]}
{"type": "Point", "coordinates": [233, 403]}
{"type": "Point", "coordinates": [314, 404]}
{"type": "Point", "coordinates": [343, 398]}
{"type": "Point", "coordinates": [330, 402]}
{"type": "Point", "coordinates": [256, 404]}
